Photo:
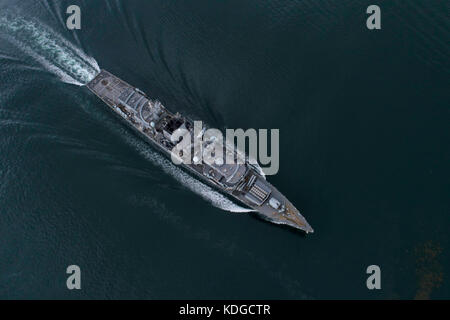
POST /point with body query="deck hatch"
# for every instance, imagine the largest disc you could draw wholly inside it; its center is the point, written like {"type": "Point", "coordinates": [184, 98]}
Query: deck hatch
{"type": "Point", "coordinates": [259, 192]}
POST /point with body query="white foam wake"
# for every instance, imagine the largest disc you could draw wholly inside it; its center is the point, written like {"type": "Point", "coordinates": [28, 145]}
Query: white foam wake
{"type": "Point", "coordinates": [202, 189]}
{"type": "Point", "coordinates": [71, 65]}
{"type": "Point", "coordinates": [52, 51]}
{"type": "Point", "coordinates": [206, 192]}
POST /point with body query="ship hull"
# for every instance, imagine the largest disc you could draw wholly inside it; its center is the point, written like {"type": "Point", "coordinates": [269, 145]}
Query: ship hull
{"type": "Point", "coordinates": [128, 104]}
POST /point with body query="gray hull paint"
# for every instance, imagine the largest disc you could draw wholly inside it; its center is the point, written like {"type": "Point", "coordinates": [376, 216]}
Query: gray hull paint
{"type": "Point", "coordinates": [155, 123]}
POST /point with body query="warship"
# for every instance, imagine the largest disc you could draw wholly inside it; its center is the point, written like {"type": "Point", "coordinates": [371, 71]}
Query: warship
{"type": "Point", "coordinates": [241, 180]}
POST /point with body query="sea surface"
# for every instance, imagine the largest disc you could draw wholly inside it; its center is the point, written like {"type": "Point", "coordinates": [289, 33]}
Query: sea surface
{"type": "Point", "coordinates": [364, 149]}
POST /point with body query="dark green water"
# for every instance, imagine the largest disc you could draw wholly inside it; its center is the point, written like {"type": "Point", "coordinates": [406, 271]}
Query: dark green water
{"type": "Point", "coordinates": [364, 149]}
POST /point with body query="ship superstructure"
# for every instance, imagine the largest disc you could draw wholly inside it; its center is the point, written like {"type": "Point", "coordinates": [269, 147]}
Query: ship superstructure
{"type": "Point", "coordinates": [156, 124]}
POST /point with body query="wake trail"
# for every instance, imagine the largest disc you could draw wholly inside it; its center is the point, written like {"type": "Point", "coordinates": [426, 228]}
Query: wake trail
{"type": "Point", "coordinates": [72, 65]}
{"type": "Point", "coordinates": [200, 188]}
{"type": "Point", "coordinates": [53, 52]}
{"type": "Point", "coordinates": [206, 192]}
